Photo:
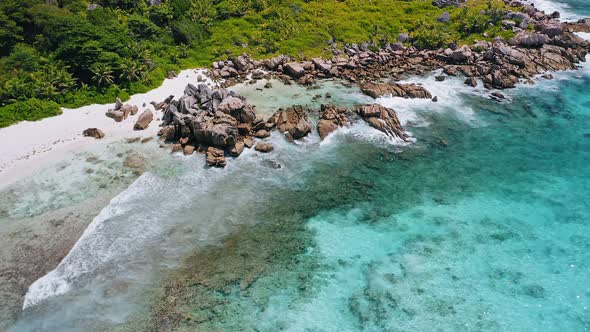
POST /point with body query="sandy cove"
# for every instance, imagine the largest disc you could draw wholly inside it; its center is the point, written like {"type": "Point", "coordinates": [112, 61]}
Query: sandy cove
{"type": "Point", "coordinates": [27, 146]}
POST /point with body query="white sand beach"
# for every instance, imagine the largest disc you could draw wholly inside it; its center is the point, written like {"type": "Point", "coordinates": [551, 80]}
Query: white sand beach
{"type": "Point", "coordinates": [27, 146]}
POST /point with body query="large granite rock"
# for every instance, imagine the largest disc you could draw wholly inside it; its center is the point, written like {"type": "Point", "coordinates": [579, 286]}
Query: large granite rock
{"type": "Point", "coordinates": [215, 157]}
{"type": "Point", "coordinates": [331, 118]}
{"type": "Point", "coordinates": [292, 122]}
{"type": "Point", "coordinates": [322, 65]}
{"type": "Point", "coordinates": [382, 119]}
{"type": "Point", "coordinates": [377, 90]}
{"type": "Point", "coordinates": [121, 111]}
{"type": "Point", "coordinates": [294, 69]}
{"type": "Point", "coordinates": [525, 39]}
{"type": "Point", "coordinates": [144, 120]}
{"type": "Point", "coordinates": [274, 63]}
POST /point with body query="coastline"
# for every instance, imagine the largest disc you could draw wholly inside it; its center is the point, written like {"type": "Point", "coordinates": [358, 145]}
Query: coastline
{"type": "Point", "coordinates": [28, 153]}
{"type": "Point", "coordinates": [355, 63]}
{"type": "Point", "coordinates": [38, 143]}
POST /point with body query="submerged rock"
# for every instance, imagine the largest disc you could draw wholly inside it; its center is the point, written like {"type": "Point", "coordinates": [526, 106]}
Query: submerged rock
{"type": "Point", "coordinates": [263, 147]}
{"type": "Point", "coordinates": [262, 133]}
{"type": "Point", "coordinates": [136, 162]}
{"type": "Point", "coordinates": [471, 81]}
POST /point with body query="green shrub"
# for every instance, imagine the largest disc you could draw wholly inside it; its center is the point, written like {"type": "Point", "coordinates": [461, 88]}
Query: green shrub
{"type": "Point", "coordinates": [29, 110]}
{"type": "Point", "coordinates": [141, 27]}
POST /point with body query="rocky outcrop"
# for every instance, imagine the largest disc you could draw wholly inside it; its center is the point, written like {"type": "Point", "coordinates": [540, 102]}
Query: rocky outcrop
{"type": "Point", "coordinates": [582, 25]}
{"type": "Point", "coordinates": [121, 111]}
{"type": "Point", "coordinates": [294, 69]}
{"type": "Point", "coordinates": [377, 90]}
{"type": "Point", "coordinates": [144, 120]}
{"type": "Point", "coordinates": [93, 132]}
{"type": "Point", "coordinates": [525, 39]}
{"type": "Point", "coordinates": [217, 120]}
{"type": "Point", "coordinates": [292, 122]}
{"type": "Point", "coordinates": [215, 157]}
{"type": "Point", "coordinates": [383, 119]}
{"type": "Point", "coordinates": [331, 118]}
{"type": "Point", "coordinates": [498, 63]}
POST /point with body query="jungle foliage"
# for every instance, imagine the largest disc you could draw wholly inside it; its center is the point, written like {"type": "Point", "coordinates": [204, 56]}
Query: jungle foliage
{"type": "Point", "coordinates": [72, 54]}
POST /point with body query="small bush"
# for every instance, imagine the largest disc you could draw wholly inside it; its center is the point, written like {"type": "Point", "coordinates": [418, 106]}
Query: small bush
{"type": "Point", "coordinates": [29, 110]}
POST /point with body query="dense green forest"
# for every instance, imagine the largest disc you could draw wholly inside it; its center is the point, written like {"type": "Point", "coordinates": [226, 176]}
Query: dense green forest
{"type": "Point", "coordinates": [72, 52]}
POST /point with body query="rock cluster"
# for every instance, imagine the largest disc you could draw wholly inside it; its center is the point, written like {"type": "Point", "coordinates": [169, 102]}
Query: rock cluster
{"type": "Point", "coordinates": [331, 118]}
{"type": "Point", "coordinates": [221, 123]}
{"type": "Point", "coordinates": [292, 122]}
{"type": "Point", "coordinates": [411, 90]}
{"type": "Point", "coordinates": [216, 121]}
{"type": "Point", "coordinates": [499, 64]}
{"type": "Point", "coordinates": [121, 111]}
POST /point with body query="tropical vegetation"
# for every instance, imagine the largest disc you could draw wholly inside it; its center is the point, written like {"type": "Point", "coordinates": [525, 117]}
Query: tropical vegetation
{"type": "Point", "coordinates": [72, 52]}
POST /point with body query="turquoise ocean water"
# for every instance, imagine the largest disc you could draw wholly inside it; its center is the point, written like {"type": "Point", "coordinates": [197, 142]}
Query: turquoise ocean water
{"type": "Point", "coordinates": [488, 232]}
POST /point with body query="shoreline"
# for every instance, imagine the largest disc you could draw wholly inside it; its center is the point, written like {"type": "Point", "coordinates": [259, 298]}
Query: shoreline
{"type": "Point", "coordinates": [37, 143]}
{"type": "Point", "coordinates": [28, 154]}
{"type": "Point", "coordinates": [154, 126]}
{"type": "Point", "coordinates": [356, 64]}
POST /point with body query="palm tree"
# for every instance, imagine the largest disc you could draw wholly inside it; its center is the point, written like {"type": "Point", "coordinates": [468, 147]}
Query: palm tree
{"type": "Point", "coordinates": [130, 71]}
{"type": "Point", "coordinates": [61, 78]}
{"type": "Point", "coordinates": [66, 82]}
{"type": "Point", "coordinates": [140, 52]}
{"type": "Point", "coordinates": [102, 75]}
